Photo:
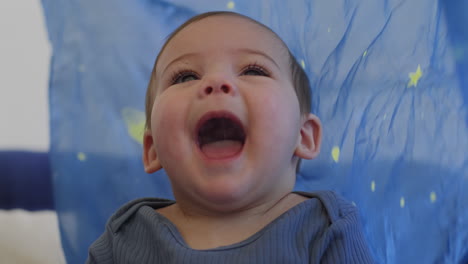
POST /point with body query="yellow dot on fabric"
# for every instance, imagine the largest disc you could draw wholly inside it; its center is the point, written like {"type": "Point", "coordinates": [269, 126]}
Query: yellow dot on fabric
{"type": "Point", "coordinates": [329, 29]}
{"type": "Point", "coordinates": [402, 202]}
{"type": "Point", "coordinates": [303, 64]}
{"type": "Point", "coordinates": [365, 53]}
{"type": "Point", "coordinates": [81, 156]}
{"type": "Point", "coordinates": [415, 76]}
{"type": "Point", "coordinates": [433, 197]}
{"type": "Point", "coordinates": [354, 204]}
{"type": "Point", "coordinates": [336, 153]}
{"type": "Point", "coordinates": [231, 5]}
{"type": "Point", "coordinates": [81, 68]}
{"type": "Point", "coordinates": [385, 117]}
{"type": "Point", "coordinates": [372, 186]}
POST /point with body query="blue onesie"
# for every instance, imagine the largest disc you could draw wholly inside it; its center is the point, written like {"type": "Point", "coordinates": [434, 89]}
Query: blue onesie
{"type": "Point", "coordinates": [322, 229]}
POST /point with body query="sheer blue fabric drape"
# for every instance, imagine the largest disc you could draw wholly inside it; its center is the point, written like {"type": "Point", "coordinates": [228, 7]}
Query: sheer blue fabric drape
{"type": "Point", "coordinates": [389, 83]}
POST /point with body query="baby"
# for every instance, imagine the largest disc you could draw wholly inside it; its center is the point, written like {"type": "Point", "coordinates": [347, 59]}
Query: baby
{"type": "Point", "coordinates": [228, 119]}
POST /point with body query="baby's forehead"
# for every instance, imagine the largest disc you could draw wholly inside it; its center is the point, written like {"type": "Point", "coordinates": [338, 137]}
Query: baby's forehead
{"type": "Point", "coordinates": [238, 22]}
{"type": "Point", "coordinates": [229, 27]}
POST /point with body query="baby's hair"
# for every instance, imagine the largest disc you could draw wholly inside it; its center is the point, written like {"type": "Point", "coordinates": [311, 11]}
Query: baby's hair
{"type": "Point", "coordinates": [299, 78]}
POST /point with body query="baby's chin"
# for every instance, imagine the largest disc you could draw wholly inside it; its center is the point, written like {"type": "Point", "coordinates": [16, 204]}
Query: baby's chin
{"type": "Point", "coordinates": [224, 195]}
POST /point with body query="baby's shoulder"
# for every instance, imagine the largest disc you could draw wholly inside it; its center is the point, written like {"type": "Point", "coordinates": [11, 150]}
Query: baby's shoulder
{"type": "Point", "coordinates": [332, 204]}
{"type": "Point", "coordinates": [128, 211]}
{"type": "Point", "coordinates": [336, 232]}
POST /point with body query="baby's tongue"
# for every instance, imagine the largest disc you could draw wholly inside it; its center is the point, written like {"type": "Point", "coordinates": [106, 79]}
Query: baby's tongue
{"type": "Point", "coordinates": [221, 149]}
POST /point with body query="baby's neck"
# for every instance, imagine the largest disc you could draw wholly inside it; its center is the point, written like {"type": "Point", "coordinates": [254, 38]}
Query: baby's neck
{"type": "Point", "coordinates": [202, 231]}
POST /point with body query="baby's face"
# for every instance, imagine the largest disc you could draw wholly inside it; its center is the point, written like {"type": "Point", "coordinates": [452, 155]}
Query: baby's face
{"type": "Point", "coordinates": [225, 120]}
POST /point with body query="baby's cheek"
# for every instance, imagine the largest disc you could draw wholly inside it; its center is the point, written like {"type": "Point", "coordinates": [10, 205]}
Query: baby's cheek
{"type": "Point", "coordinates": [282, 107]}
{"type": "Point", "coordinates": [166, 118]}
{"type": "Point", "coordinates": [277, 116]}
{"type": "Point", "coordinates": [164, 109]}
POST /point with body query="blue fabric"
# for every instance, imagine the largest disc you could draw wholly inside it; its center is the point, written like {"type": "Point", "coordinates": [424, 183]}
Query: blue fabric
{"type": "Point", "coordinates": [390, 85]}
{"type": "Point", "coordinates": [25, 180]}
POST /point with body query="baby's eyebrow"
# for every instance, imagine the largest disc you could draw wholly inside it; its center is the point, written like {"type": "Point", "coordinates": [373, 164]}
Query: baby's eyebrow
{"type": "Point", "coordinates": [258, 52]}
{"type": "Point", "coordinates": [182, 57]}
{"type": "Point", "coordinates": [240, 50]}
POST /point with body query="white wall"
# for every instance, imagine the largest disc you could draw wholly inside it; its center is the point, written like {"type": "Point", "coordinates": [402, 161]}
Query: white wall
{"type": "Point", "coordinates": [26, 237]}
{"type": "Point", "coordinates": [24, 70]}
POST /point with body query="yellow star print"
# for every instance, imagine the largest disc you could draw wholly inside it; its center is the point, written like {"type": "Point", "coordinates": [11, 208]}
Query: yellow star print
{"type": "Point", "coordinates": [336, 153]}
{"type": "Point", "coordinates": [415, 76]}
{"type": "Point", "coordinates": [135, 121]}
{"type": "Point", "coordinates": [433, 197]}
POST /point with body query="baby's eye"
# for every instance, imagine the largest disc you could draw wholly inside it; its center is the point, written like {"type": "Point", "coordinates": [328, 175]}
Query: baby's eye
{"type": "Point", "coordinates": [185, 76]}
{"type": "Point", "coordinates": [255, 70]}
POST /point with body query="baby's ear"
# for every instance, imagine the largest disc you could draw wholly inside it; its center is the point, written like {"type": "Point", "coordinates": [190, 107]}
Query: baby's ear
{"type": "Point", "coordinates": [310, 138]}
{"type": "Point", "coordinates": [150, 158]}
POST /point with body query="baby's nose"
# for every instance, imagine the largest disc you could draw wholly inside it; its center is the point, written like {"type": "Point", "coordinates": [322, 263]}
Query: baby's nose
{"type": "Point", "coordinates": [224, 88]}
{"type": "Point", "coordinates": [217, 86]}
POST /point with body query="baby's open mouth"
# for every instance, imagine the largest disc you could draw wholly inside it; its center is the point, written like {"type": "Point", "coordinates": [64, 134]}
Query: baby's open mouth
{"type": "Point", "coordinates": [220, 136]}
